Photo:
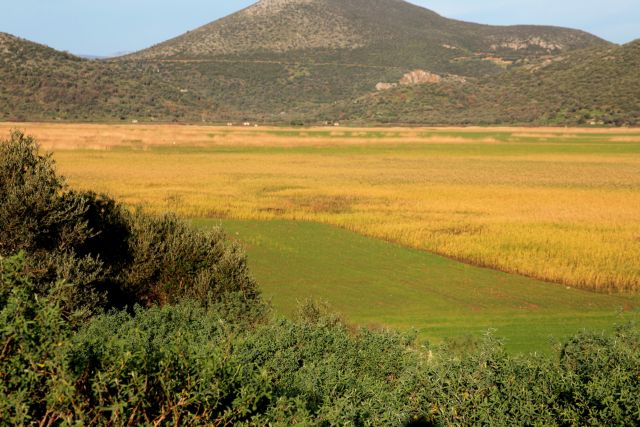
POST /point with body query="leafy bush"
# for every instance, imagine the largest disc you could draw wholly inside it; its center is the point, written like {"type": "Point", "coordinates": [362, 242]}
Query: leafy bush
{"type": "Point", "coordinates": [192, 364]}
{"type": "Point", "coordinates": [112, 256]}
{"type": "Point", "coordinates": [171, 260]}
{"type": "Point", "coordinates": [34, 336]}
{"type": "Point", "coordinates": [34, 215]}
{"type": "Point", "coordinates": [594, 381]}
{"type": "Point", "coordinates": [195, 364]}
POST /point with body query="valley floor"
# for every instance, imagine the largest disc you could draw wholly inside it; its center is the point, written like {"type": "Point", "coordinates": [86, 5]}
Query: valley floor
{"type": "Point", "coordinates": [556, 205]}
{"type": "Point", "coordinates": [379, 284]}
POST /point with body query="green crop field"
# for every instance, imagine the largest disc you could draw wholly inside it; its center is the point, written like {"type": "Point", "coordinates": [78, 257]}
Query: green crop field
{"type": "Point", "coordinates": [375, 283]}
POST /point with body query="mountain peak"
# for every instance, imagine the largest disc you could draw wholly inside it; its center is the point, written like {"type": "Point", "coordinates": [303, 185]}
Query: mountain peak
{"type": "Point", "coordinates": [277, 4]}
{"type": "Point", "coordinates": [380, 30]}
{"type": "Point", "coordinates": [268, 25]}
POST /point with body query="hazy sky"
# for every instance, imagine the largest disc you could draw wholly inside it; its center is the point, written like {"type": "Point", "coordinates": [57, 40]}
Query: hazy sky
{"type": "Point", "coordinates": [103, 27]}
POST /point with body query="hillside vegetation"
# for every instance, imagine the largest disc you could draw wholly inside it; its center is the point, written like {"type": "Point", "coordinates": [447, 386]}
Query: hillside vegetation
{"type": "Point", "coordinates": [592, 86]}
{"type": "Point", "coordinates": [383, 33]}
{"type": "Point", "coordinates": [283, 61]}
{"type": "Point", "coordinates": [218, 357]}
{"type": "Point", "coordinates": [40, 83]}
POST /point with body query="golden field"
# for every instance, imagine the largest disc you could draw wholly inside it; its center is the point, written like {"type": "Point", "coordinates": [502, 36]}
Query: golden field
{"type": "Point", "coordinates": [556, 204]}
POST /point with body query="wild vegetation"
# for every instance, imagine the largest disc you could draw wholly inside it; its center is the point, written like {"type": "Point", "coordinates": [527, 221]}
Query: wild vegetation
{"type": "Point", "coordinates": [112, 256]}
{"type": "Point", "coordinates": [223, 360]}
{"type": "Point", "coordinates": [378, 33]}
{"type": "Point", "coordinates": [558, 205]}
{"type": "Point", "coordinates": [588, 87]}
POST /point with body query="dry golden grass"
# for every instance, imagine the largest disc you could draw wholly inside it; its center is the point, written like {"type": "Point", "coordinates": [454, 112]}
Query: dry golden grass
{"type": "Point", "coordinates": [556, 204]}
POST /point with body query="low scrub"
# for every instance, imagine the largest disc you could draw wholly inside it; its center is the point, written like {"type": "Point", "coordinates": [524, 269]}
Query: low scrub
{"type": "Point", "coordinates": [196, 365]}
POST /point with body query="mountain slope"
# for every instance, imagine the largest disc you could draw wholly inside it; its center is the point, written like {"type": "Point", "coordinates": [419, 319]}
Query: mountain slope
{"type": "Point", "coordinates": [40, 83]}
{"type": "Point", "coordinates": [592, 86]}
{"type": "Point", "coordinates": [384, 33]}
{"type": "Point", "coordinates": [288, 61]}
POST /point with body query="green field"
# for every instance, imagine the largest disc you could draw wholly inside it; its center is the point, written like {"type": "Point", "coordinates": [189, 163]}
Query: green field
{"type": "Point", "coordinates": [375, 283]}
{"type": "Point", "coordinates": [554, 205]}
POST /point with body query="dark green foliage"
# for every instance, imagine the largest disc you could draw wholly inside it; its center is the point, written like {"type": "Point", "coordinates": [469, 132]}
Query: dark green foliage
{"type": "Point", "coordinates": [113, 257]}
{"type": "Point", "coordinates": [34, 216]}
{"type": "Point", "coordinates": [190, 364]}
{"type": "Point", "coordinates": [34, 336]}
{"type": "Point", "coordinates": [594, 381]}
{"type": "Point", "coordinates": [335, 375]}
{"type": "Point", "coordinates": [604, 372]}
{"type": "Point", "coordinates": [171, 260]}
{"type": "Point", "coordinates": [38, 217]}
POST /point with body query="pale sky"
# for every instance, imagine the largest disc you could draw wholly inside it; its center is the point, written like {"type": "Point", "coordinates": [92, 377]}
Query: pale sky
{"type": "Point", "coordinates": [105, 27]}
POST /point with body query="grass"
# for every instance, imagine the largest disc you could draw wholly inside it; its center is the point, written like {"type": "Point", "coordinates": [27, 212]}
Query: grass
{"type": "Point", "coordinates": [376, 283]}
{"type": "Point", "coordinates": [560, 205]}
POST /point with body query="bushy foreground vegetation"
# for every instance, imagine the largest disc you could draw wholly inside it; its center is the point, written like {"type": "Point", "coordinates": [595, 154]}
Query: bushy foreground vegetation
{"type": "Point", "coordinates": [191, 364]}
{"type": "Point", "coordinates": [112, 256]}
{"type": "Point", "coordinates": [194, 345]}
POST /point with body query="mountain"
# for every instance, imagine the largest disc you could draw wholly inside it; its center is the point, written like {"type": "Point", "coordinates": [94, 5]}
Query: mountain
{"type": "Point", "coordinates": [382, 33]}
{"type": "Point", "coordinates": [288, 60]}
{"type": "Point", "coordinates": [592, 86]}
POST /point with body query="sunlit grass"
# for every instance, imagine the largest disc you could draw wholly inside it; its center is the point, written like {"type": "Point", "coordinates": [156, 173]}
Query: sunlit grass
{"type": "Point", "coordinates": [554, 204]}
{"type": "Point", "coordinates": [375, 283]}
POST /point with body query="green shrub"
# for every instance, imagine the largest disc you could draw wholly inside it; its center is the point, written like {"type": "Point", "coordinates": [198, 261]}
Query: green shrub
{"type": "Point", "coordinates": [34, 336]}
{"type": "Point", "coordinates": [34, 216]}
{"type": "Point", "coordinates": [603, 373]}
{"type": "Point", "coordinates": [195, 364]}
{"type": "Point", "coordinates": [113, 257]}
{"type": "Point", "coordinates": [594, 381]}
{"type": "Point", "coordinates": [171, 261]}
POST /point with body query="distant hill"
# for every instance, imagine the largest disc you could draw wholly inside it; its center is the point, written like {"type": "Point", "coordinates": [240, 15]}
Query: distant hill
{"type": "Point", "coordinates": [592, 86]}
{"type": "Point", "coordinates": [40, 83]}
{"type": "Point", "coordinates": [383, 33]}
{"type": "Point", "coordinates": [291, 61]}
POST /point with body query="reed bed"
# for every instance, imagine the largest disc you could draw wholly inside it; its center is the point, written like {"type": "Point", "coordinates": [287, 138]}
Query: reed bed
{"type": "Point", "coordinates": [561, 205]}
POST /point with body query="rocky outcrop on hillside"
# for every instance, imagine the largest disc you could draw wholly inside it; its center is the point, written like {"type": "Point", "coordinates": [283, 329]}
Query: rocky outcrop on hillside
{"type": "Point", "coordinates": [523, 44]}
{"type": "Point", "coordinates": [416, 77]}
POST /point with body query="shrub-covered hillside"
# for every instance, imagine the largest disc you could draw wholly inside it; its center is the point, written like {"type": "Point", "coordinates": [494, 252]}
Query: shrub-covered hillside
{"type": "Point", "coordinates": [594, 86]}
{"type": "Point", "coordinates": [112, 317]}
{"type": "Point", "coordinates": [280, 61]}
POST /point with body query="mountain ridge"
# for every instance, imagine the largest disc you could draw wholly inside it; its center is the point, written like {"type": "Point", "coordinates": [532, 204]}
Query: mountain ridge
{"type": "Point", "coordinates": [374, 32]}
{"type": "Point", "coordinates": [250, 66]}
